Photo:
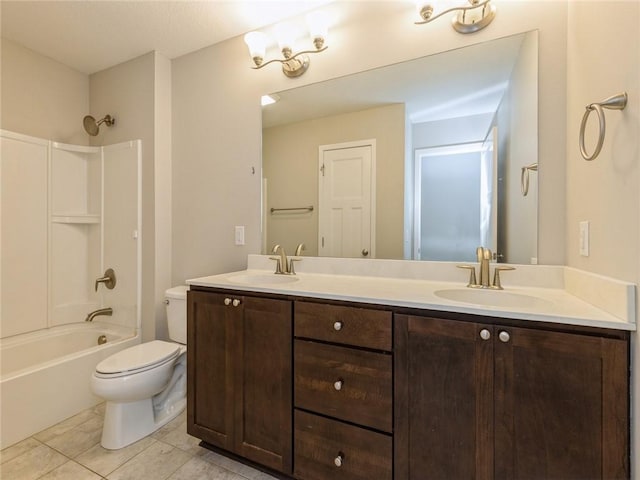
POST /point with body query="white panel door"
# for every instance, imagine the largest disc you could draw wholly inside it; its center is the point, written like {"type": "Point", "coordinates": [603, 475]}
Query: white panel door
{"type": "Point", "coordinates": [345, 213]}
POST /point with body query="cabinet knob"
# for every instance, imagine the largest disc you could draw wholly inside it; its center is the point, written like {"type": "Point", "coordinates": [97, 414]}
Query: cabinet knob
{"type": "Point", "coordinates": [235, 302]}
{"type": "Point", "coordinates": [339, 460]}
{"type": "Point", "coordinates": [485, 334]}
{"type": "Point", "coordinates": [504, 336]}
{"type": "Point", "coordinates": [338, 384]}
{"type": "Point", "coordinates": [227, 301]}
{"type": "Point", "coordinates": [337, 326]}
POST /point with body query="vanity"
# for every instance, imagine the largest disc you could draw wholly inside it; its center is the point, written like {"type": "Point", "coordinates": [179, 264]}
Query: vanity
{"type": "Point", "coordinates": [389, 370]}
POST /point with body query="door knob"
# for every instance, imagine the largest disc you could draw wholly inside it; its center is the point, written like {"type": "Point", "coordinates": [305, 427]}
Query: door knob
{"type": "Point", "coordinates": [365, 252]}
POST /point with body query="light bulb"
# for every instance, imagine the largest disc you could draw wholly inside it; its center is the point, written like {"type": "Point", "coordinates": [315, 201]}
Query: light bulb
{"type": "Point", "coordinates": [285, 35]}
{"type": "Point", "coordinates": [318, 23]}
{"type": "Point", "coordinates": [257, 43]}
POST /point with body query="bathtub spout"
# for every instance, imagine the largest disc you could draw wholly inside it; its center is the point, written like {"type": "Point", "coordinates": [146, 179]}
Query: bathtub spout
{"type": "Point", "coordinates": [101, 311]}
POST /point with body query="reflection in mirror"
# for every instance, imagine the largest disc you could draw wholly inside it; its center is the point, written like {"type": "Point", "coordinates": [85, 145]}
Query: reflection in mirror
{"type": "Point", "coordinates": [418, 160]}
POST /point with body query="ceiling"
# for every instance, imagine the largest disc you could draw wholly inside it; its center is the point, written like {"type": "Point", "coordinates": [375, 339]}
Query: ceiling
{"type": "Point", "coordinates": [91, 35]}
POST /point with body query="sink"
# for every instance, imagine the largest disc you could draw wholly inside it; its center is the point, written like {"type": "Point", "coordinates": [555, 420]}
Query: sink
{"type": "Point", "coordinates": [263, 279]}
{"type": "Point", "coordinates": [492, 298]}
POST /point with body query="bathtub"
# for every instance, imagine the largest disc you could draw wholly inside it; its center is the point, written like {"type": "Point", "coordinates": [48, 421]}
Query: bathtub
{"type": "Point", "coordinates": [44, 376]}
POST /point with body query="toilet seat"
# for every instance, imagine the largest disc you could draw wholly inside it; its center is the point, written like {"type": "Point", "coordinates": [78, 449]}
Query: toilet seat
{"type": "Point", "coordinates": [138, 358]}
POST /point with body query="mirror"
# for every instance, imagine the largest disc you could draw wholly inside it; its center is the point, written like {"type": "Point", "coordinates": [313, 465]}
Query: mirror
{"type": "Point", "coordinates": [425, 159]}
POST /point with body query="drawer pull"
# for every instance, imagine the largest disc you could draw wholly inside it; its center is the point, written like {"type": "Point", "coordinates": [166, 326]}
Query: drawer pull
{"type": "Point", "coordinates": [339, 460]}
{"type": "Point", "coordinates": [337, 326]}
{"type": "Point", "coordinates": [338, 384]}
{"type": "Point", "coordinates": [236, 302]}
{"type": "Point", "coordinates": [227, 301]}
{"type": "Point", "coordinates": [504, 336]}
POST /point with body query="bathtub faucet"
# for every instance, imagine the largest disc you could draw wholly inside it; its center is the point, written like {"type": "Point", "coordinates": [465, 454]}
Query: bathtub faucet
{"type": "Point", "coordinates": [101, 311]}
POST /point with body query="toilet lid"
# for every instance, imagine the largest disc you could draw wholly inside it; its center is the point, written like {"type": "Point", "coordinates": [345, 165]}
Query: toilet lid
{"type": "Point", "coordinates": [139, 357]}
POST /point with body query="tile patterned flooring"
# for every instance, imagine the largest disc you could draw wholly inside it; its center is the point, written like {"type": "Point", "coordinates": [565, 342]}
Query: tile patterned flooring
{"type": "Point", "coordinates": [71, 450]}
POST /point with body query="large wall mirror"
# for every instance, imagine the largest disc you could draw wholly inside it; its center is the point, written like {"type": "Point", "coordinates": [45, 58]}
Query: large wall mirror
{"type": "Point", "coordinates": [425, 159]}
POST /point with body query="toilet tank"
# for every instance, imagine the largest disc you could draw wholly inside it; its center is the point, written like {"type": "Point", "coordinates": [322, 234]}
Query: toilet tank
{"type": "Point", "coordinates": [176, 301]}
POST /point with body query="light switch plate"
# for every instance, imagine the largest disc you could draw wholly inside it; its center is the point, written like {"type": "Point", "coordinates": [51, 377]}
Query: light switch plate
{"type": "Point", "coordinates": [584, 239]}
{"type": "Point", "coordinates": [239, 235]}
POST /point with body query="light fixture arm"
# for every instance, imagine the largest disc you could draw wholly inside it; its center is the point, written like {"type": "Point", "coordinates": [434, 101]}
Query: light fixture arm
{"type": "Point", "coordinates": [468, 19]}
{"type": "Point", "coordinates": [289, 59]}
{"type": "Point", "coordinates": [453, 9]}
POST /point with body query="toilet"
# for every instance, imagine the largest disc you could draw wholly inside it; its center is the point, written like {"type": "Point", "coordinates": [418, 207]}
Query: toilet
{"type": "Point", "coordinates": [145, 386]}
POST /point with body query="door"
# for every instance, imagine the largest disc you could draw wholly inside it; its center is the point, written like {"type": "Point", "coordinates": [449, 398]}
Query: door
{"type": "Point", "coordinates": [561, 407]}
{"type": "Point", "coordinates": [443, 399]}
{"type": "Point", "coordinates": [346, 208]}
{"type": "Point", "coordinates": [447, 196]}
{"type": "Point", "coordinates": [210, 340]}
{"type": "Point", "coordinates": [263, 379]}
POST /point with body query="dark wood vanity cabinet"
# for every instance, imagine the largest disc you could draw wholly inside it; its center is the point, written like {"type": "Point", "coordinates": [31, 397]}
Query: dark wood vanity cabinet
{"type": "Point", "coordinates": [239, 375]}
{"type": "Point", "coordinates": [486, 401]}
{"type": "Point", "coordinates": [326, 390]}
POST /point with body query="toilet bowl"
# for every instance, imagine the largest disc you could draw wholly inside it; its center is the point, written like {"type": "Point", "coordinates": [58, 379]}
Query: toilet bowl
{"type": "Point", "coordinates": [145, 385]}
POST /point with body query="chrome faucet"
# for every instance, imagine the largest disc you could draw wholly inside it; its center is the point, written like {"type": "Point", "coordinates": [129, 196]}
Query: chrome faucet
{"type": "Point", "coordinates": [484, 256]}
{"type": "Point", "coordinates": [101, 311]}
{"type": "Point", "coordinates": [282, 267]}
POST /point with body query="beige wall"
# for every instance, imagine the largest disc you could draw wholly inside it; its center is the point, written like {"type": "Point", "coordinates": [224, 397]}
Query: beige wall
{"type": "Point", "coordinates": [162, 189]}
{"type": "Point", "coordinates": [128, 92]}
{"type": "Point", "coordinates": [604, 59]}
{"type": "Point", "coordinates": [290, 165]}
{"type": "Point", "coordinates": [216, 121]}
{"type": "Point", "coordinates": [41, 97]}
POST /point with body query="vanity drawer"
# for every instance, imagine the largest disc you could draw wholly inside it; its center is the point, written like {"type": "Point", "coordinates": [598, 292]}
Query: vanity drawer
{"type": "Point", "coordinates": [330, 449]}
{"type": "Point", "coordinates": [360, 327]}
{"type": "Point", "coordinates": [344, 383]}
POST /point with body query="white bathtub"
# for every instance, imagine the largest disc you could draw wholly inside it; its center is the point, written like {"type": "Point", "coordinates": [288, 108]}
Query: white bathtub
{"type": "Point", "coordinates": [45, 375]}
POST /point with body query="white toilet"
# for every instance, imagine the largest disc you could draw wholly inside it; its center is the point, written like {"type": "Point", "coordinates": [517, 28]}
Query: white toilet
{"type": "Point", "coordinates": [145, 386]}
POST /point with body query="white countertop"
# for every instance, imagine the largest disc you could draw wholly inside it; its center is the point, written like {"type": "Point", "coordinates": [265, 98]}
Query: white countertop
{"type": "Point", "coordinates": [555, 305]}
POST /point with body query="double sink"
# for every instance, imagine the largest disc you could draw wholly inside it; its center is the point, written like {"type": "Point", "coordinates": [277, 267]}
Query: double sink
{"type": "Point", "coordinates": [474, 296]}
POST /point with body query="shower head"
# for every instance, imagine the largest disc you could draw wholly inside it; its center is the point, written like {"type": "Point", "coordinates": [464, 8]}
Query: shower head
{"type": "Point", "coordinates": [93, 127]}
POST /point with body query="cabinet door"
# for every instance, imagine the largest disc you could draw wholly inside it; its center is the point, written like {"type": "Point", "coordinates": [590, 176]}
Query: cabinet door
{"type": "Point", "coordinates": [263, 383]}
{"type": "Point", "coordinates": [210, 403]}
{"type": "Point", "coordinates": [443, 399]}
{"type": "Point", "coordinates": [561, 408]}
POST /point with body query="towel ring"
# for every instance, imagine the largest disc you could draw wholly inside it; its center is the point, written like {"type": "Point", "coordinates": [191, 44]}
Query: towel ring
{"type": "Point", "coordinates": [617, 102]}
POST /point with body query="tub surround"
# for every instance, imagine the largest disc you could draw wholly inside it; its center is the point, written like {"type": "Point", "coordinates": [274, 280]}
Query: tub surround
{"type": "Point", "coordinates": [567, 295]}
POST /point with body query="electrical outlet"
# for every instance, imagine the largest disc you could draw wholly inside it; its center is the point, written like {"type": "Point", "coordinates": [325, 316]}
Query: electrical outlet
{"type": "Point", "coordinates": [240, 235]}
{"type": "Point", "coordinates": [584, 239]}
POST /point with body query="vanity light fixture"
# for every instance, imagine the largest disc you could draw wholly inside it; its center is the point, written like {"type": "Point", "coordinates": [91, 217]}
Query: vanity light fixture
{"type": "Point", "coordinates": [293, 64]}
{"type": "Point", "coordinates": [469, 19]}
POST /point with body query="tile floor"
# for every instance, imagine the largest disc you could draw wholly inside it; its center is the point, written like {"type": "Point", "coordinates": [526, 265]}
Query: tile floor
{"type": "Point", "coordinates": [71, 450]}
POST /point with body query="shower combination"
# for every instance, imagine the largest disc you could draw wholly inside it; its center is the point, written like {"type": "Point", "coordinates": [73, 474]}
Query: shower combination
{"type": "Point", "coordinates": [92, 126]}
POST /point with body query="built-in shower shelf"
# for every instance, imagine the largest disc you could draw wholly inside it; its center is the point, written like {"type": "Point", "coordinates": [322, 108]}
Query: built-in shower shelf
{"type": "Point", "coordinates": [76, 218]}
